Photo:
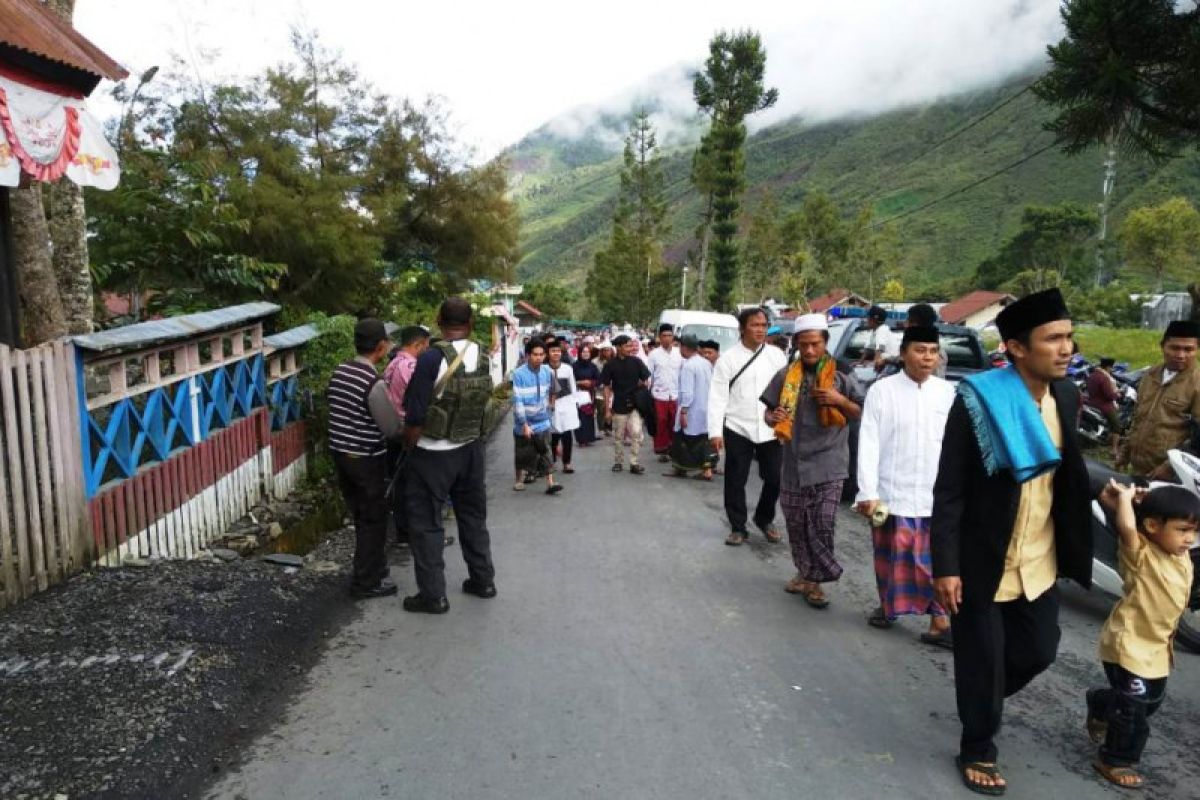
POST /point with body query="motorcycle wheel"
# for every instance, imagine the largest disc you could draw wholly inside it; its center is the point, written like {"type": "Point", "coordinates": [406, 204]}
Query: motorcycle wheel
{"type": "Point", "coordinates": [1188, 632]}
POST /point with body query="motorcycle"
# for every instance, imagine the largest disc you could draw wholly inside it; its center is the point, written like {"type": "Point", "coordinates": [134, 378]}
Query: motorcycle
{"type": "Point", "coordinates": [1094, 426]}
{"type": "Point", "coordinates": [1106, 574]}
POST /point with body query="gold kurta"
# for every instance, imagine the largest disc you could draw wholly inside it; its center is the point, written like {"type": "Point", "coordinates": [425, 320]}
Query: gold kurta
{"type": "Point", "coordinates": [1030, 565]}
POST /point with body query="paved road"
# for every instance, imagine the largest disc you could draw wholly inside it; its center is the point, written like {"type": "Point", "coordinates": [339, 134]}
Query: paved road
{"type": "Point", "coordinates": [630, 654]}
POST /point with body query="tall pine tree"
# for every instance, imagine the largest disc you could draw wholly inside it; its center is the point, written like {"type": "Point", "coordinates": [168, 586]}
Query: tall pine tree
{"type": "Point", "coordinates": [628, 281]}
{"type": "Point", "coordinates": [728, 90]}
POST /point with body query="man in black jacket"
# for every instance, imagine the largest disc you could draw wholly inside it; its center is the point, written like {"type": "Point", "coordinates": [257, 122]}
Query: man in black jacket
{"type": "Point", "coordinates": [999, 543]}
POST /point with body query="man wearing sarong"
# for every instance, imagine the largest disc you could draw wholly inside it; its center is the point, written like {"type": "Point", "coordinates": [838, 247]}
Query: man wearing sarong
{"type": "Point", "coordinates": [809, 403]}
{"type": "Point", "coordinates": [533, 410]}
{"type": "Point", "coordinates": [1010, 515]}
{"type": "Point", "coordinates": [899, 443]}
{"type": "Point", "coordinates": [690, 448]}
{"type": "Point", "coordinates": [665, 363]}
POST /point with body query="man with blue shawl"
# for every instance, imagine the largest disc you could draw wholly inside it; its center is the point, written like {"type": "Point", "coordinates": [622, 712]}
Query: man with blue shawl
{"type": "Point", "coordinates": [1010, 515]}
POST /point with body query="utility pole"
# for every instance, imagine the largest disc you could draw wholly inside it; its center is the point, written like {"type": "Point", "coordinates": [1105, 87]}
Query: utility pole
{"type": "Point", "coordinates": [683, 289]}
{"type": "Point", "coordinates": [1110, 177]}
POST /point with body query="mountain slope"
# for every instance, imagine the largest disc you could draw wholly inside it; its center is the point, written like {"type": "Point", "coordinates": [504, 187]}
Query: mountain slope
{"type": "Point", "coordinates": [566, 188]}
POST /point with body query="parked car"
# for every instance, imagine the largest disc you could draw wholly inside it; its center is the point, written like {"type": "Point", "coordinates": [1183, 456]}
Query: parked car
{"type": "Point", "coordinates": [849, 337]}
{"type": "Point", "coordinates": [721, 328]}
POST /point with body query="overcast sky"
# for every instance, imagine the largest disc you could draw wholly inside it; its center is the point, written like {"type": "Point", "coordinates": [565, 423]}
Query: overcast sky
{"type": "Point", "coordinates": [507, 67]}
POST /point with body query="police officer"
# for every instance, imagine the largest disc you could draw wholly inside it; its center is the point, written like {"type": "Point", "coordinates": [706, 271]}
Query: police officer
{"type": "Point", "coordinates": [361, 417]}
{"type": "Point", "coordinates": [444, 413]}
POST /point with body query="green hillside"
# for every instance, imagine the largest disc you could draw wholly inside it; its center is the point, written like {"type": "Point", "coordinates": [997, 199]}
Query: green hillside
{"type": "Point", "coordinates": [565, 189]}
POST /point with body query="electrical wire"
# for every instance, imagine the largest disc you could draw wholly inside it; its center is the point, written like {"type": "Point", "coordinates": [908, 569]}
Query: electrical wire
{"type": "Point", "coordinates": [966, 188]}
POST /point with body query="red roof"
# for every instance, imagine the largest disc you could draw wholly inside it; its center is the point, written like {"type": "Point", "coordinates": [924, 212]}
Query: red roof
{"type": "Point", "coordinates": [31, 26]}
{"type": "Point", "coordinates": [835, 297]}
{"type": "Point", "coordinates": [528, 309]}
{"type": "Point", "coordinates": [958, 311]}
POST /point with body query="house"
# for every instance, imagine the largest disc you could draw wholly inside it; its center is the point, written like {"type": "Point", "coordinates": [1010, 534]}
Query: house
{"type": "Point", "coordinates": [977, 309]}
{"type": "Point", "coordinates": [528, 316]}
{"type": "Point", "coordinates": [837, 298]}
{"type": "Point", "coordinates": [47, 68]}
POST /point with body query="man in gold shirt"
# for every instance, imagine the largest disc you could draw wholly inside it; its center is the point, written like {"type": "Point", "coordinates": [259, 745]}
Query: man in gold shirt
{"type": "Point", "coordinates": [1010, 515]}
{"type": "Point", "coordinates": [1168, 405]}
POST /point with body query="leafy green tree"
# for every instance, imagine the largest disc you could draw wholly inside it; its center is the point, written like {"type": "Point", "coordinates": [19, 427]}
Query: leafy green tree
{"type": "Point", "coordinates": [628, 280]}
{"type": "Point", "coordinates": [765, 250]}
{"type": "Point", "coordinates": [1050, 247]}
{"type": "Point", "coordinates": [552, 299]}
{"type": "Point", "coordinates": [1163, 241]}
{"type": "Point", "coordinates": [872, 255]}
{"type": "Point", "coordinates": [1127, 71]}
{"type": "Point", "coordinates": [728, 90]}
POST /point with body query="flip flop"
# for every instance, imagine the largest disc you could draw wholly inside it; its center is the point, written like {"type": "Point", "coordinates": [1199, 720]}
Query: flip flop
{"type": "Point", "coordinates": [987, 769]}
{"type": "Point", "coordinates": [816, 598]}
{"type": "Point", "coordinates": [944, 639]}
{"type": "Point", "coordinates": [1114, 774]}
{"type": "Point", "coordinates": [879, 620]}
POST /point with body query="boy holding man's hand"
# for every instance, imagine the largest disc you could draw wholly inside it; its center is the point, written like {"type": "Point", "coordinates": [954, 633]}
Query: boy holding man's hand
{"type": "Point", "coordinates": [1135, 644]}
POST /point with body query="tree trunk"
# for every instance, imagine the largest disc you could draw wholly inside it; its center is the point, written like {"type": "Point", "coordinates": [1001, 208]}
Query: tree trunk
{"type": "Point", "coordinates": [69, 253]}
{"type": "Point", "coordinates": [705, 235]}
{"type": "Point", "coordinates": [68, 234]}
{"type": "Point", "coordinates": [41, 307]}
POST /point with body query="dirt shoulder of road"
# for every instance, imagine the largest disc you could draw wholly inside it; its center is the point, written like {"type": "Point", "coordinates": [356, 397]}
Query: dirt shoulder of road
{"type": "Point", "coordinates": [144, 681]}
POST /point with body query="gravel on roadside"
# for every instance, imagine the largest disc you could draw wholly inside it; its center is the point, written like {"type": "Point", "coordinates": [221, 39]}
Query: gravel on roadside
{"type": "Point", "coordinates": [136, 682]}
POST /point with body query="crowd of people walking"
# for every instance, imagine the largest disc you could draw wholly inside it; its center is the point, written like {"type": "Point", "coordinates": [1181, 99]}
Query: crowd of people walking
{"type": "Point", "coordinates": [977, 495]}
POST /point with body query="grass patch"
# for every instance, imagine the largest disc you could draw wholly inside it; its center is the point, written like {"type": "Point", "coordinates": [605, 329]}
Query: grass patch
{"type": "Point", "coordinates": [1137, 346]}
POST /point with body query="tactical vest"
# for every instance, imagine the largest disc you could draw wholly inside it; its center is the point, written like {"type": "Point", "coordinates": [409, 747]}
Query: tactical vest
{"type": "Point", "coordinates": [458, 415]}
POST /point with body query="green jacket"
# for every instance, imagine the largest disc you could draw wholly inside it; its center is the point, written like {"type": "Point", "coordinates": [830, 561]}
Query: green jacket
{"type": "Point", "coordinates": [1161, 420]}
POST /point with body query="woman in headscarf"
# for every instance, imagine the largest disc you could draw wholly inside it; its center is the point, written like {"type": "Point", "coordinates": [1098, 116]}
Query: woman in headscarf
{"type": "Point", "coordinates": [587, 377]}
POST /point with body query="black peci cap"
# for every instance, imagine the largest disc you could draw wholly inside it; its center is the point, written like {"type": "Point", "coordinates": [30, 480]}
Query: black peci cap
{"type": "Point", "coordinates": [1182, 329]}
{"type": "Point", "coordinates": [1031, 311]}
{"type": "Point", "coordinates": [920, 333]}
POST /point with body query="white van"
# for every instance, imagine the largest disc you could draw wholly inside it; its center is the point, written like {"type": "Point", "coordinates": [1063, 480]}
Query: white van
{"type": "Point", "coordinates": [721, 328]}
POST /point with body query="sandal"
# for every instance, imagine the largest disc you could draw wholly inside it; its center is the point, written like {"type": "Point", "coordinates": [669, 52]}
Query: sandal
{"type": "Point", "coordinates": [797, 586]}
{"type": "Point", "coordinates": [940, 639]}
{"type": "Point", "coordinates": [569, 470]}
{"type": "Point", "coordinates": [988, 769]}
{"type": "Point", "coordinates": [520, 487]}
{"type": "Point", "coordinates": [1114, 775]}
{"type": "Point", "coordinates": [617, 468]}
{"type": "Point", "coordinates": [816, 598]}
{"type": "Point", "coordinates": [735, 539]}
{"type": "Point", "coordinates": [878, 619]}
{"type": "Point", "coordinates": [555, 489]}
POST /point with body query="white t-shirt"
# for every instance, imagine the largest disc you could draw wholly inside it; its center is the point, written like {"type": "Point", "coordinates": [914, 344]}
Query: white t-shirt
{"type": "Point", "coordinates": [885, 342]}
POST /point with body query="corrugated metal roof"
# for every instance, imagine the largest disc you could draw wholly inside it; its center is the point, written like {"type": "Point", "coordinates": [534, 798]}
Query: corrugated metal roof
{"type": "Point", "coordinates": [144, 334]}
{"type": "Point", "coordinates": [294, 337]}
{"type": "Point", "coordinates": [31, 26]}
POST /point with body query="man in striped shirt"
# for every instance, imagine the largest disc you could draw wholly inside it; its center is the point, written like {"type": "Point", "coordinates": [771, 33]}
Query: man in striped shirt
{"type": "Point", "coordinates": [361, 418]}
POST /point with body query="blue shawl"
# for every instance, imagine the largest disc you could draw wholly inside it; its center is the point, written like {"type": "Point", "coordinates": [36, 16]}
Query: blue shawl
{"type": "Point", "coordinates": [1008, 424]}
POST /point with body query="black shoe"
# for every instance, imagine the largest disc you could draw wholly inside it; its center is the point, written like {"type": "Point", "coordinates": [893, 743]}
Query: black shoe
{"type": "Point", "coordinates": [484, 590]}
{"type": "Point", "coordinates": [447, 541]}
{"type": "Point", "coordinates": [384, 588]}
{"type": "Point", "coordinates": [423, 605]}
{"type": "Point", "coordinates": [617, 468]}
{"type": "Point", "coordinates": [637, 469]}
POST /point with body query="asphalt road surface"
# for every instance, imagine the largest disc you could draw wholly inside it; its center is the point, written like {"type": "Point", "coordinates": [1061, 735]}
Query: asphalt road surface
{"type": "Point", "coordinates": [631, 654]}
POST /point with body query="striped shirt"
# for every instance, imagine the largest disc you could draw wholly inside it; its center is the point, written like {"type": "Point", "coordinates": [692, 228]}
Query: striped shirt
{"type": "Point", "coordinates": [352, 429]}
{"type": "Point", "coordinates": [531, 398]}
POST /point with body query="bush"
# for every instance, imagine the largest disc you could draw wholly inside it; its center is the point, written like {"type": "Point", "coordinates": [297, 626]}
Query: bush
{"type": "Point", "coordinates": [321, 357]}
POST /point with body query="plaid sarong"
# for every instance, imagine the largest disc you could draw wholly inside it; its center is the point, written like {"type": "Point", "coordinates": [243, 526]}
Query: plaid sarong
{"type": "Point", "coordinates": [903, 571]}
{"type": "Point", "coordinates": [810, 514]}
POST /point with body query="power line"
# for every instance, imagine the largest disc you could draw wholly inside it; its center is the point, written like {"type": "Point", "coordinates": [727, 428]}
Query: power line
{"type": "Point", "coordinates": [966, 188]}
{"type": "Point", "coordinates": [957, 133]}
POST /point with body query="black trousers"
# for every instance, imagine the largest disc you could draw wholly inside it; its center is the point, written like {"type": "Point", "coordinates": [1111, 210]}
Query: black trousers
{"type": "Point", "coordinates": [432, 477]}
{"type": "Point", "coordinates": [739, 453]}
{"type": "Point", "coordinates": [566, 442]}
{"type": "Point", "coordinates": [1125, 704]}
{"type": "Point", "coordinates": [363, 481]}
{"type": "Point", "coordinates": [998, 649]}
{"type": "Point", "coordinates": [396, 463]}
